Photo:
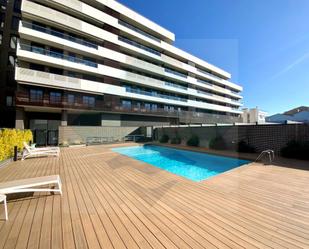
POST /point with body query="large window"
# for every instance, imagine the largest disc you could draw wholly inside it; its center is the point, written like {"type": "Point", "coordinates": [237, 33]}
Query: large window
{"type": "Point", "coordinates": [71, 99]}
{"type": "Point", "coordinates": [38, 26]}
{"type": "Point", "coordinates": [56, 52]}
{"type": "Point", "coordinates": [36, 95]}
{"type": "Point", "coordinates": [37, 67]}
{"type": "Point", "coordinates": [126, 104]}
{"type": "Point", "coordinates": [55, 97]}
{"type": "Point", "coordinates": [89, 101]}
{"type": "Point", "coordinates": [37, 48]}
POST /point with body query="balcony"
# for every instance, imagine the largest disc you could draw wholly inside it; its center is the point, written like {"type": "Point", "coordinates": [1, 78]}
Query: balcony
{"type": "Point", "coordinates": [155, 94]}
{"type": "Point", "coordinates": [23, 99]}
{"type": "Point", "coordinates": [135, 44]}
{"type": "Point", "coordinates": [40, 50]}
{"type": "Point", "coordinates": [125, 24]}
{"type": "Point", "coordinates": [59, 34]}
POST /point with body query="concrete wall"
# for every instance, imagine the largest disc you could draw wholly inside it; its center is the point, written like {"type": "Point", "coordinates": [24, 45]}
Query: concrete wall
{"type": "Point", "coordinates": [259, 136]}
{"type": "Point", "coordinates": [77, 134]}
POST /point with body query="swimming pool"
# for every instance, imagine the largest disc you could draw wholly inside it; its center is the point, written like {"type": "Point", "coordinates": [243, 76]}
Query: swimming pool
{"type": "Point", "coordinates": [195, 166]}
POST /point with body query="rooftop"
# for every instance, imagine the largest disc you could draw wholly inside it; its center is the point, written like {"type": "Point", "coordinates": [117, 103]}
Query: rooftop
{"type": "Point", "coordinates": [111, 201]}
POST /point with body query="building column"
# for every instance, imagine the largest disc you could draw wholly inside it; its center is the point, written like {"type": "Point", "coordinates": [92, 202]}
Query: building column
{"type": "Point", "coordinates": [64, 118]}
{"type": "Point", "coordinates": [20, 119]}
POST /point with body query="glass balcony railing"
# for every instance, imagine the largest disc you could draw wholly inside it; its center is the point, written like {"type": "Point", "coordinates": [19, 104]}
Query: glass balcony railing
{"type": "Point", "coordinates": [203, 92]}
{"type": "Point", "coordinates": [154, 94]}
{"type": "Point", "coordinates": [210, 74]}
{"type": "Point", "coordinates": [138, 31]}
{"type": "Point", "coordinates": [204, 82]}
{"type": "Point", "coordinates": [175, 85]}
{"type": "Point", "coordinates": [175, 73]}
{"type": "Point", "coordinates": [135, 44]}
{"type": "Point", "coordinates": [59, 34]}
{"type": "Point", "coordinates": [43, 51]}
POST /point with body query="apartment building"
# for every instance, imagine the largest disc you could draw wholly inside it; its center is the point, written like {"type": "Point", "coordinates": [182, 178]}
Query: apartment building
{"type": "Point", "coordinates": [99, 63]}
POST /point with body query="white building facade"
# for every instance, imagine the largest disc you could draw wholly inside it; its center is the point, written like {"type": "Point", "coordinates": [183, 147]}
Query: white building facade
{"type": "Point", "coordinates": [97, 62]}
{"type": "Point", "coordinates": [253, 115]}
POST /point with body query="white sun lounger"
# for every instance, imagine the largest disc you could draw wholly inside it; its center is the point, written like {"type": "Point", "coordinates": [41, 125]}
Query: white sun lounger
{"type": "Point", "coordinates": [46, 151]}
{"type": "Point", "coordinates": [29, 185]}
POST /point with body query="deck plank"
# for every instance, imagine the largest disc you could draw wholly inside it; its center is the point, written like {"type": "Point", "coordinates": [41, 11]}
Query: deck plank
{"type": "Point", "coordinates": [112, 201]}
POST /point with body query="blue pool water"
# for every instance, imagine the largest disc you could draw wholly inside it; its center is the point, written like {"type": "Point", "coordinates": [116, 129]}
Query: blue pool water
{"type": "Point", "coordinates": [192, 165]}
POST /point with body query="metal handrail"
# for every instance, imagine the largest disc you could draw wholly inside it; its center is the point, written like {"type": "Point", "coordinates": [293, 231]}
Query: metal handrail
{"type": "Point", "coordinates": [270, 153]}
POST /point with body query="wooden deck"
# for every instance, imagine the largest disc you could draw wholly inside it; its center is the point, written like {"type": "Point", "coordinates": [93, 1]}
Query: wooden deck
{"type": "Point", "coordinates": [111, 201]}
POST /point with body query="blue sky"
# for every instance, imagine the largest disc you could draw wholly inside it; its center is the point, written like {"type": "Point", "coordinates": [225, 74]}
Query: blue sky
{"type": "Point", "coordinates": [264, 44]}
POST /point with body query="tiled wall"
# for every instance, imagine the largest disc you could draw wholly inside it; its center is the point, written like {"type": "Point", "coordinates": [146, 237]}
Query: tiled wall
{"type": "Point", "coordinates": [79, 134]}
{"type": "Point", "coordinates": [260, 136]}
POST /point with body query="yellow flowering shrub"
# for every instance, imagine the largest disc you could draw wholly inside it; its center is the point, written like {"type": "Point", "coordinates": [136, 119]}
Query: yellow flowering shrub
{"type": "Point", "coordinates": [10, 138]}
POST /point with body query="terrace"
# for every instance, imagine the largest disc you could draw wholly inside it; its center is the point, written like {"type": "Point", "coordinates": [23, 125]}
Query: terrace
{"type": "Point", "coordinates": [112, 201]}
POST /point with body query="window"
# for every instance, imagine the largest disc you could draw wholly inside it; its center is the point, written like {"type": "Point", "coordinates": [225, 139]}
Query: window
{"type": "Point", "coordinates": [90, 62]}
{"type": "Point", "coordinates": [154, 107]}
{"type": "Point", "coordinates": [126, 104]}
{"type": "Point", "coordinates": [72, 74]}
{"type": "Point", "coordinates": [37, 67]}
{"type": "Point", "coordinates": [57, 32]}
{"type": "Point", "coordinates": [15, 23]}
{"type": "Point", "coordinates": [13, 42]}
{"type": "Point", "coordinates": [147, 106]}
{"type": "Point", "coordinates": [55, 97]}
{"type": "Point", "coordinates": [54, 70]}
{"type": "Point", "coordinates": [12, 60]}
{"type": "Point", "coordinates": [36, 95]}
{"type": "Point", "coordinates": [71, 99]}
{"type": "Point", "coordinates": [9, 101]}
{"type": "Point", "coordinates": [72, 57]}
{"type": "Point", "coordinates": [38, 26]}
{"type": "Point", "coordinates": [37, 48]}
{"type": "Point", "coordinates": [89, 101]}
{"type": "Point", "coordinates": [1, 38]}
{"type": "Point", "coordinates": [55, 52]}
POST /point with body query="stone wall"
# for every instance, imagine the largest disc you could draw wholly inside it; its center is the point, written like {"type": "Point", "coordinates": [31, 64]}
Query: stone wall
{"type": "Point", "coordinates": [261, 137]}
{"type": "Point", "coordinates": [79, 134]}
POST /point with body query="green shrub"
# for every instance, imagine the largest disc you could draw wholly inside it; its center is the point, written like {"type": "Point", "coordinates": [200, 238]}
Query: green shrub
{"type": "Point", "coordinates": [164, 139]}
{"type": "Point", "coordinates": [217, 143]}
{"type": "Point", "coordinates": [243, 146]}
{"type": "Point", "coordinates": [193, 141]}
{"type": "Point", "coordinates": [298, 150]}
{"type": "Point", "coordinates": [10, 138]}
{"type": "Point", "coordinates": [176, 140]}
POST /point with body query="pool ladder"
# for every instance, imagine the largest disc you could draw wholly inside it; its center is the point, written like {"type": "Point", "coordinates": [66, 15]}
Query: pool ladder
{"type": "Point", "coordinates": [270, 153]}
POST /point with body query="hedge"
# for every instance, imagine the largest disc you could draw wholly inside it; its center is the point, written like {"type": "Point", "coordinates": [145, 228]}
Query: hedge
{"type": "Point", "coordinates": [10, 138]}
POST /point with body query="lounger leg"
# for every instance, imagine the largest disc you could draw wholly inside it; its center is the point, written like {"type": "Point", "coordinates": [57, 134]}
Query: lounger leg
{"type": "Point", "coordinates": [60, 186]}
{"type": "Point", "coordinates": [5, 209]}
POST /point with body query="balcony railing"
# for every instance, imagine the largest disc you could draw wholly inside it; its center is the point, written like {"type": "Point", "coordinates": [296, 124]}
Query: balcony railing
{"type": "Point", "coordinates": [39, 50]}
{"type": "Point", "coordinates": [204, 82]}
{"type": "Point", "coordinates": [138, 31]}
{"type": "Point", "coordinates": [23, 99]}
{"type": "Point", "coordinates": [210, 74]}
{"type": "Point", "coordinates": [175, 73]}
{"type": "Point", "coordinates": [135, 44]}
{"type": "Point", "coordinates": [155, 94]}
{"type": "Point", "coordinates": [175, 85]}
{"type": "Point", "coordinates": [59, 34]}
